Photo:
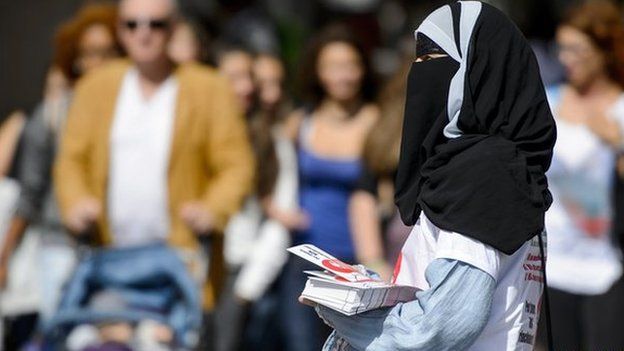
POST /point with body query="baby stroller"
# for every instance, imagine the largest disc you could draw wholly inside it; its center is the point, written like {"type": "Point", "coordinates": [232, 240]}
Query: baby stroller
{"type": "Point", "coordinates": [135, 287]}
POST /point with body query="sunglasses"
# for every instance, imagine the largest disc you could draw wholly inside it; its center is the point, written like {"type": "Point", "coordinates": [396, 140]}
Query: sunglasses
{"type": "Point", "coordinates": [153, 24]}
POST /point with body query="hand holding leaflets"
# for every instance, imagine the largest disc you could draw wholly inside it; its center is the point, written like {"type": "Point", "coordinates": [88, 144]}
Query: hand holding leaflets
{"type": "Point", "coordinates": [348, 289]}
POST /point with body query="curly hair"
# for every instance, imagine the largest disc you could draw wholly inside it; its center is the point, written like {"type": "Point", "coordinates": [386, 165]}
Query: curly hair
{"type": "Point", "coordinates": [68, 34]}
{"type": "Point", "coordinates": [601, 21]}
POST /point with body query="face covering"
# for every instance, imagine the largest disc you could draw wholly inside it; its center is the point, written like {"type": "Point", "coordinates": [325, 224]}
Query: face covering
{"type": "Point", "coordinates": [427, 90]}
{"type": "Point", "coordinates": [425, 110]}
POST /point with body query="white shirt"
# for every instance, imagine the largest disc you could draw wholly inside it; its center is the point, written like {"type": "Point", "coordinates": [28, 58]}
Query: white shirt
{"type": "Point", "coordinates": [581, 256]}
{"type": "Point", "coordinates": [139, 157]}
{"type": "Point", "coordinates": [512, 324]}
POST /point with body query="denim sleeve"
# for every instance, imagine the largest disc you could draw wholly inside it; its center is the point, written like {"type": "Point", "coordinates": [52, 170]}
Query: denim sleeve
{"type": "Point", "coordinates": [448, 316]}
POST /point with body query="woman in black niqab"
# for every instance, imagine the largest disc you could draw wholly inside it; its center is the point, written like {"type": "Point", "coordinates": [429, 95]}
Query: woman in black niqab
{"type": "Point", "coordinates": [474, 155]}
{"type": "Point", "coordinates": [477, 140]}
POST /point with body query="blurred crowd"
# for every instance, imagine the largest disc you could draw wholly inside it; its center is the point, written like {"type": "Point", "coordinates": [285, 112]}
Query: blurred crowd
{"type": "Point", "coordinates": [147, 202]}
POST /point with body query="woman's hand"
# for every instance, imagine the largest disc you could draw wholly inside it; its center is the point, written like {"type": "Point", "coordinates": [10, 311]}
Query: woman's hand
{"type": "Point", "coordinates": [293, 220]}
{"type": "Point", "coordinates": [381, 268]}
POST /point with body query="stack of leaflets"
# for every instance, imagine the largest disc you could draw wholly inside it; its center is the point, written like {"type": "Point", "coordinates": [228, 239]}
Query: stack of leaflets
{"type": "Point", "coordinates": [346, 288]}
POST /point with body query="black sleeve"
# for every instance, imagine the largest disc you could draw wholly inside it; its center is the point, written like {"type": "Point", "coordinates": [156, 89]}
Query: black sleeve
{"type": "Point", "coordinates": [367, 182]}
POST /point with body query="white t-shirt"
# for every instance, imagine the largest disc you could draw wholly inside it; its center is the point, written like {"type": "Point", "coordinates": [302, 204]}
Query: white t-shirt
{"type": "Point", "coordinates": [581, 256]}
{"type": "Point", "coordinates": [139, 157]}
{"type": "Point", "coordinates": [512, 324]}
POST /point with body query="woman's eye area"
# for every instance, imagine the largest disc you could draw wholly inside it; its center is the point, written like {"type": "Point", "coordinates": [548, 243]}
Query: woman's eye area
{"type": "Point", "coordinates": [432, 56]}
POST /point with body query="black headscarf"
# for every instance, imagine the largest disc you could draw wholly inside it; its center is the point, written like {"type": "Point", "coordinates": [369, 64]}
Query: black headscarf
{"type": "Point", "coordinates": [478, 133]}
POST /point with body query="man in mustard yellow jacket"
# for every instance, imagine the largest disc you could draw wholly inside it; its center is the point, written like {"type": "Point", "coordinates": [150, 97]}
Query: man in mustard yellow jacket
{"type": "Point", "coordinates": [153, 152]}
